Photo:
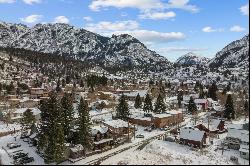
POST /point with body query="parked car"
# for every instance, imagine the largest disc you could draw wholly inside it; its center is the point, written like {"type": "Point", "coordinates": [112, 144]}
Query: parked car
{"type": "Point", "coordinates": [167, 128]}
{"type": "Point", "coordinates": [140, 136]}
{"type": "Point", "coordinates": [149, 129]}
{"type": "Point", "coordinates": [13, 145]}
{"type": "Point", "coordinates": [19, 155]}
{"type": "Point", "coordinates": [24, 160]}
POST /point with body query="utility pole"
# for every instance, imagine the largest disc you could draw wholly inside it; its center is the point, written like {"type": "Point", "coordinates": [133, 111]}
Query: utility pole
{"type": "Point", "coordinates": [222, 147]}
{"type": "Point", "coordinates": [128, 130]}
{"type": "Point", "coordinates": [134, 131]}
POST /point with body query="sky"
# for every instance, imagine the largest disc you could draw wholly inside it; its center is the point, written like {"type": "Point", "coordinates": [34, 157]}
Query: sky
{"type": "Point", "coordinates": [172, 28]}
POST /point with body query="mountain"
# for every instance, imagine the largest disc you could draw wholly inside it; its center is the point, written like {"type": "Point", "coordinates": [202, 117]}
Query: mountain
{"type": "Point", "coordinates": [62, 39]}
{"type": "Point", "coordinates": [233, 55]}
{"type": "Point", "coordinates": [191, 59]}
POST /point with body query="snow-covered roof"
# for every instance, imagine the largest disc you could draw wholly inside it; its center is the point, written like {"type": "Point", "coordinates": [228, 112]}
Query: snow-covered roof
{"type": "Point", "coordinates": [101, 129]}
{"type": "Point", "coordinates": [117, 123]}
{"type": "Point", "coordinates": [200, 101]}
{"type": "Point", "coordinates": [142, 93]}
{"type": "Point", "coordinates": [35, 111]}
{"type": "Point", "coordinates": [162, 115]}
{"type": "Point", "coordinates": [191, 134]}
{"type": "Point", "coordinates": [243, 135]}
{"type": "Point", "coordinates": [103, 141]}
{"type": "Point", "coordinates": [77, 148]}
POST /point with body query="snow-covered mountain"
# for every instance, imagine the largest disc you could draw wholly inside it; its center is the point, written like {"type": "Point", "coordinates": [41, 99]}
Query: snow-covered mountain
{"type": "Point", "coordinates": [191, 59]}
{"type": "Point", "coordinates": [233, 55]}
{"type": "Point", "coordinates": [63, 39]}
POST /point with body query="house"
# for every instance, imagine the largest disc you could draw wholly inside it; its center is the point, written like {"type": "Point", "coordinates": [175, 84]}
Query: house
{"type": "Point", "coordinates": [215, 126]}
{"type": "Point", "coordinates": [76, 151]}
{"type": "Point", "coordinates": [193, 137]}
{"type": "Point", "coordinates": [36, 92]}
{"type": "Point", "coordinates": [119, 127]}
{"type": "Point", "coordinates": [132, 95]}
{"type": "Point", "coordinates": [102, 137]}
{"type": "Point", "coordinates": [18, 114]}
{"type": "Point", "coordinates": [202, 103]}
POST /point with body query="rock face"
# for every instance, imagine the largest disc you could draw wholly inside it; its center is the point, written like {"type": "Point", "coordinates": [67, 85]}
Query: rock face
{"type": "Point", "coordinates": [233, 55]}
{"type": "Point", "coordinates": [191, 59]}
{"type": "Point", "coordinates": [66, 40]}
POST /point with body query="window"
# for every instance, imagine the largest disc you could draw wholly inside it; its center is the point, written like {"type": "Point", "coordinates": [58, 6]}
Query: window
{"type": "Point", "coordinates": [243, 153]}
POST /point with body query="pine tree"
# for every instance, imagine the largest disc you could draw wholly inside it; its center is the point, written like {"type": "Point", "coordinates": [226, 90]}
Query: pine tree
{"type": "Point", "coordinates": [229, 112]}
{"type": "Point", "coordinates": [58, 89]}
{"type": "Point", "coordinates": [160, 106]}
{"type": "Point", "coordinates": [84, 124]}
{"type": "Point", "coordinates": [180, 98]}
{"type": "Point", "coordinates": [201, 93]}
{"type": "Point", "coordinates": [81, 83]}
{"type": "Point", "coordinates": [192, 108]}
{"type": "Point", "coordinates": [212, 92]}
{"type": "Point", "coordinates": [28, 119]}
{"type": "Point", "coordinates": [63, 83]}
{"type": "Point", "coordinates": [138, 102]}
{"type": "Point", "coordinates": [148, 104]}
{"type": "Point", "coordinates": [59, 144]}
{"type": "Point", "coordinates": [50, 130]}
{"type": "Point", "coordinates": [122, 109]}
{"type": "Point", "coordinates": [67, 114]}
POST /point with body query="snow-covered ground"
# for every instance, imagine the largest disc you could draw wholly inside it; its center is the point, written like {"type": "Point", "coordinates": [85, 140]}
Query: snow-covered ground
{"type": "Point", "coordinates": [165, 153]}
{"type": "Point", "coordinates": [10, 127]}
{"type": "Point", "coordinates": [7, 160]}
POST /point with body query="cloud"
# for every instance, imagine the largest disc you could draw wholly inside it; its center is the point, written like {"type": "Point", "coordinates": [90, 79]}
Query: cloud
{"type": "Point", "coordinates": [97, 5]}
{"type": "Point", "coordinates": [109, 26]}
{"type": "Point", "coordinates": [157, 15]}
{"type": "Point", "coordinates": [210, 29]}
{"type": "Point", "coordinates": [237, 28]}
{"type": "Point", "coordinates": [154, 36]}
{"type": "Point", "coordinates": [31, 2]}
{"type": "Point", "coordinates": [182, 4]}
{"type": "Point", "coordinates": [245, 9]}
{"type": "Point", "coordinates": [88, 19]}
{"type": "Point", "coordinates": [61, 19]}
{"type": "Point", "coordinates": [31, 19]}
{"type": "Point", "coordinates": [181, 49]}
{"type": "Point", "coordinates": [132, 28]}
{"type": "Point", "coordinates": [7, 1]}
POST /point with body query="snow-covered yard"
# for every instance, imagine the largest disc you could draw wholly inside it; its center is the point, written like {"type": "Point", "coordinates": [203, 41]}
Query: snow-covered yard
{"type": "Point", "coordinates": [166, 153]}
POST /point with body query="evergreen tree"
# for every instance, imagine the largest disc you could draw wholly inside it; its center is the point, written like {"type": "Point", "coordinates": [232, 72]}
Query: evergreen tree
{"type": "Point", "coordinates": [229, 112]}
{"type": "Point", "coordinates": [28, 119]}
{"type": "Point", "coordinates": [160, 106]}
{"type": "Point", "coordinates": [63, 83]}
{"type": "Point", "coordinates": [122, 109]}
{"type": "Point", "coordinates": [148, 104]}
{"type": "Point", "coordinates": [59, 144]}
{"type": "Point", "coordinates": [246, 106]}
{"type": "Point", "coordinates": [51, 121]}
{"type": "Point", "coordinates": [67, 114]}
{"type": "Point", "coordinates": [192, 108]}
{"type": "Point", "coordinates": [138, 102]}
{"type": "Point", "coordinates": [58, 89]}
{"type": "Point", "coordinates": [201, 93]}
{"type": "Point", "coordinates": [84, 124]}
{"type": "Point", "coordinates": [197, 86]}
{"type": "Point", "coordinates": [180, 98]}
{"type": "Point", "coordinates": [81, 83]}
{"type": "Point", "coordinates": [212, 92]}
